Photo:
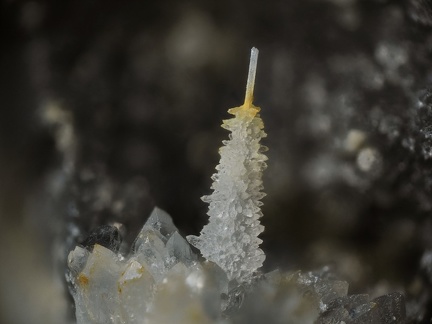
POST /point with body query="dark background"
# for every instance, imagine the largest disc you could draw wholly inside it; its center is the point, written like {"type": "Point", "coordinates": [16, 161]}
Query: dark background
{"type": "Point", "coordinates": [109, 108]}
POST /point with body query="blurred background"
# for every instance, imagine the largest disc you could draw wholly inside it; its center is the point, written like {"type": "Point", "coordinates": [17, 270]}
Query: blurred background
{"type": "Point", "coordinates": [109, 108]}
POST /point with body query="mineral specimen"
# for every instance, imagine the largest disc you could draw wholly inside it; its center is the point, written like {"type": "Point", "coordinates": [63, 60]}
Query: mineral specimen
{"type": "Point", "coordinates": [159, 282]}
{"type": "Point", "coordinates": [230, 239]}
{"type": "Point", "coordinates": [162, 280]}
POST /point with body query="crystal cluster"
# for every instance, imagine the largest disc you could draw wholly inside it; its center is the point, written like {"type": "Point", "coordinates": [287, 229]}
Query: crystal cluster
{"type": "Point", "coordinates": [316, 297]}
{"type": "Point", "coordinates": [336, 306]}
{"type": "Point", "coordinates": [160, 277]}
{"type": "Point", "coordinates": [230, 239]}
{"type": "Point", "coordinates": [162, 281]}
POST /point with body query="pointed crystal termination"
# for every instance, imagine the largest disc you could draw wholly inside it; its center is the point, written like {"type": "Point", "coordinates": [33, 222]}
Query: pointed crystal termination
{"type": "Point", "coordinates": [179, 249]}
{"type": "Point", "coordinates": [160, 281]}
{"type": "Point", "coordinates": [160, 221]}
{"type": "Point", "coordinates": [230, 239]}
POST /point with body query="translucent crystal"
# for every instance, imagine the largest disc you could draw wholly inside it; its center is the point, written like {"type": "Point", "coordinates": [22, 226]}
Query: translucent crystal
{"type": "Point", "coordinates": [325, 288]}
{"type": "Point", "coordinates": [77, 259]}
{"type": "Point", "coordinates": [391, 308]}
{"type": "Point", "coordinates": [217, 276]}
{"type": "Point", "coordinates": [96, 295]}
{"type": "Point", "coordinates": [349, 302]}
{"type": "Point", "coordinates": [359, 309]}
{"type": "Point", "coordinates": [161, 221]}
{"type": "Point", "coordinates": [179, 249]}
{"type": "Point", "coordinates": [150, 250]}
{"type": "Point", "coordinates": [276, 301]}
{"type": "Point", "coordinates": [329, 290]}
{"type": "Point", "coordinates": [135, 289]}
{"type": "Point", "coordinates": [182, 298]}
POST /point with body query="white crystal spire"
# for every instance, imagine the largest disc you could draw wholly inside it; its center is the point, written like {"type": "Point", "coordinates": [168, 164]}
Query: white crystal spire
{"type": "Point", "coordinates": [230, 239]}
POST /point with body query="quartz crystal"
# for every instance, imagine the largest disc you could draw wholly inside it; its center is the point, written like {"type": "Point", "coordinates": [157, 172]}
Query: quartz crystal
{"type": "Point", "coordinates": [163, 281]}
{"type": "Point", "coordinates": [160, 281]}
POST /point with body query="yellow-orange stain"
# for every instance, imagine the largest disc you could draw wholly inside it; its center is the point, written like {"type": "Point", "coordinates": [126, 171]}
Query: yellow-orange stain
{"type": "Point", "coordinates": [83, 280]}
{"type": "Point", "coordinates": [246, 110]}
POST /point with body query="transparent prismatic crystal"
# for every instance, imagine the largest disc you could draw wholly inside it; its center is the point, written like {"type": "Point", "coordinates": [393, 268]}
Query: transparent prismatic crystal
{"type": "Point", "coordinates": [230, 239]}
{"type": "Point", "coordinates": [159, 282]}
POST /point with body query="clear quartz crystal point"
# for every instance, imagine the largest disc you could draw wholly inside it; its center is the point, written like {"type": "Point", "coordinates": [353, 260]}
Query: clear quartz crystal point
{"type": "Point", "coordinates": [160, 222]}
{"type": "Point", "coordinates": [180, 249]}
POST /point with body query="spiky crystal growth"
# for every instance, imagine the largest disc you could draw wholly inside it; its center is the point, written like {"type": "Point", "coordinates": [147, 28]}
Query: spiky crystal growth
{"type": "Point", "coordinates": [230, 239]}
